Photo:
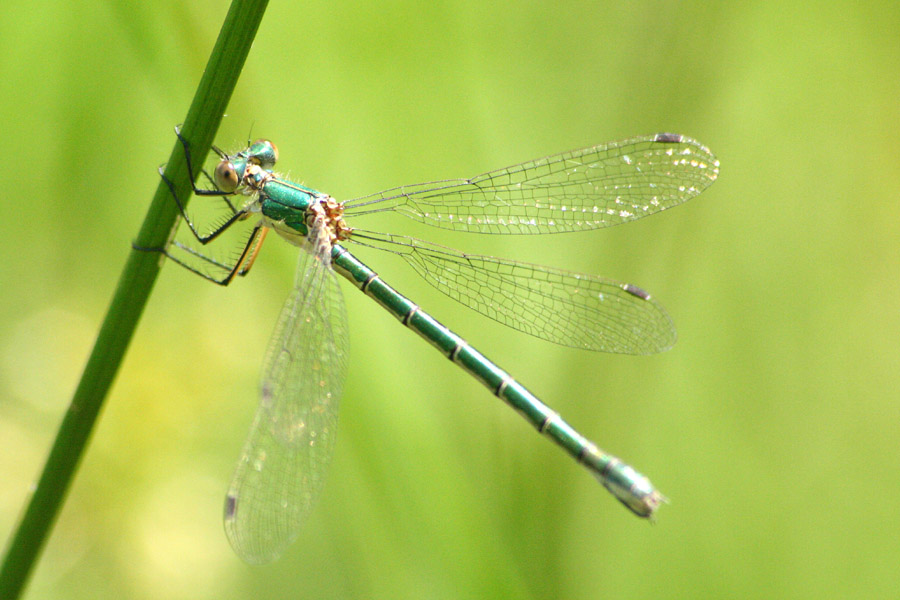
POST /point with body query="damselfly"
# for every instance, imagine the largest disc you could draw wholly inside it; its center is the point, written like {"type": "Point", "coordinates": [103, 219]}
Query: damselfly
{"type": "Point", "coordinates": [282, 466]}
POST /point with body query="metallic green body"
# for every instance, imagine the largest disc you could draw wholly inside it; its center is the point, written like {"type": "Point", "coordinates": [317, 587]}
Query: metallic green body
{"type": "Point", "coordinates": [286, 206]}
{"type": "Point", "coordinates": [281, 469]}
{"type": "Point", "coordinates": [627, 485]}
{"type": "Point", "coordinates": [286, 203]}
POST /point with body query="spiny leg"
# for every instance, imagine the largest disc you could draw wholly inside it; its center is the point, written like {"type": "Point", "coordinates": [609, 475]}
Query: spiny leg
{"type": "Point", "coordinates": [248, 254]}
{"type": "Point", "coordinates": [236, 215]}
{"type": "Point", "coordinates": [241, 265]}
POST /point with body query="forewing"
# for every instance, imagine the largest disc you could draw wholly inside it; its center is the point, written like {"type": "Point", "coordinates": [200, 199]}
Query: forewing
{"type": "Point", "coordinates": [282, 466]}
{"type": "Point", "coordinates": [584, 189]}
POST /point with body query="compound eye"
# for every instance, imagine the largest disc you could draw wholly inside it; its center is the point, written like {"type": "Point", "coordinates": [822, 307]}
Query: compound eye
{"type": "Point", "coordinates": [226, 176]}
{"type": "Point", "coordinates": [265, 153]}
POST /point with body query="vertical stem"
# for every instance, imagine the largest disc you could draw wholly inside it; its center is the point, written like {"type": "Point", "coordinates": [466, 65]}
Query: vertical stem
{"type": "Point", "coordinates": [133, 290]}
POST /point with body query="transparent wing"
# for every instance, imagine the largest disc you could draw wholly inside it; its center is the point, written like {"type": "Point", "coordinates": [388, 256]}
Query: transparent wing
{"type": "Point", "coordinates": [571, 309]}
{"type": "Point", "coordinates": [282, 466]}
{"type": "Point", "coordinates": [585, 189]}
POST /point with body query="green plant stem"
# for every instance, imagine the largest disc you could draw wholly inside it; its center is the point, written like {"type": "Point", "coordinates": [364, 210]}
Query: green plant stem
{"type": "Point", "coordinates": [132, 292]}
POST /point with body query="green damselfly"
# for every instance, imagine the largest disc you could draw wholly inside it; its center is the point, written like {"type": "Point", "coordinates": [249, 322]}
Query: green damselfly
{"type": "Point", "coordinates": [281, 469]}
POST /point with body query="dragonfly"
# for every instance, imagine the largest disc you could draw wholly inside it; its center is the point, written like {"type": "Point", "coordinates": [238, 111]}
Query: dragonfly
{"type": "Point", "coordinates": [282, 466]}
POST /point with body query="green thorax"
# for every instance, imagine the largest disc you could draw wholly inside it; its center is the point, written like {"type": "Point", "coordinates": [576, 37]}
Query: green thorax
{"type": "Point", "coordinates": [285, 205]}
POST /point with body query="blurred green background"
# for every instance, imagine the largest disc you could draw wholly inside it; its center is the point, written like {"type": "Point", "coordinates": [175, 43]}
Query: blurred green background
{"type": "Point", "coordinates": [773, 425]}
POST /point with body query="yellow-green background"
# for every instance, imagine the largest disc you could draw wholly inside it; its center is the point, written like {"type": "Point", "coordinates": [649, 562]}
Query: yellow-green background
{"type": "Point", "coordinates": [773, 425]}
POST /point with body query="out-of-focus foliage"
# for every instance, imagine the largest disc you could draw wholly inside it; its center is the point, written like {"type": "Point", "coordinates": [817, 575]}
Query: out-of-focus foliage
{"type": "Point", "coordinates": [772, 425]}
